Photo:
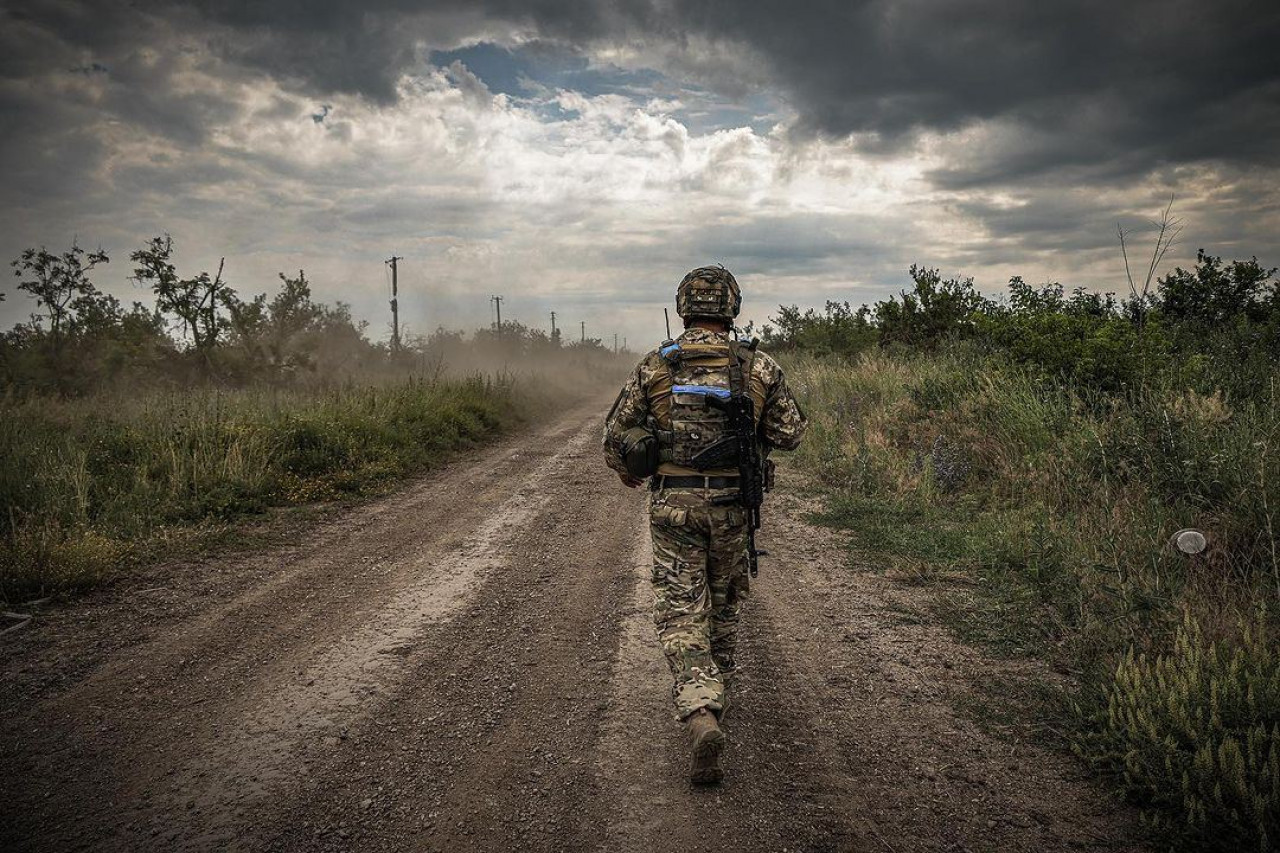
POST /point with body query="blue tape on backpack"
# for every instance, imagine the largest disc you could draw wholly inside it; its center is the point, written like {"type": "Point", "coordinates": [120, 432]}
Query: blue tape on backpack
{"type": "Point", "coordinates": [666, 351]}
{"type": "Point", "coordinates": [704, 390]}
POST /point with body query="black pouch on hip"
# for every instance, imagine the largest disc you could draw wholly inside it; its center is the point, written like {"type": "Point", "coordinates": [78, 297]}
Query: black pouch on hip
{"type": "Point", "coordinates": [640, 452]}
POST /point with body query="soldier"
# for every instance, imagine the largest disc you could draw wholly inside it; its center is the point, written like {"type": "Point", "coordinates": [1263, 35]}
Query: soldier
{"type": "Point", "coordinates": [669, 425]}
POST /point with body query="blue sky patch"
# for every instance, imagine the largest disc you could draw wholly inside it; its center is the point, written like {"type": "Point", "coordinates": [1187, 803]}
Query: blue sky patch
{"type": "Point", "coordinates": [518, 72]}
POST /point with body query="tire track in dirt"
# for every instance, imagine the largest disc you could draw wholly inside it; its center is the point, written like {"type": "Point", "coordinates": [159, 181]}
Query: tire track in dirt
{"type": "Point", "coordinates": [260, 749]}
{"type": "Point", "coordinates": [170, 743]}
{"type": "Point", "coordinates": [489, 743]}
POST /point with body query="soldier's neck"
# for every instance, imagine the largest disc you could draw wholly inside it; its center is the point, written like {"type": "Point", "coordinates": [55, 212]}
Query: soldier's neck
{"type": "Point", "coordinates": [709, 325]}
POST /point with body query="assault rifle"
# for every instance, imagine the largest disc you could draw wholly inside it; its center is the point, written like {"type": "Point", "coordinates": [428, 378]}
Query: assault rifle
{"type": "Point", "coordinates": [751, 476]}
{"type": "Point", "coordinates": [741, 445]}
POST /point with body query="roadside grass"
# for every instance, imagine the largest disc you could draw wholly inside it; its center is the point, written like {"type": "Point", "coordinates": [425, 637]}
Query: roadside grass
{"type": "Point", "coordinates": [1021, 708]}
{"type": "Point", "coordinates": [94, 485]}
{"type": "Point", "coordinates": [1043, 513]}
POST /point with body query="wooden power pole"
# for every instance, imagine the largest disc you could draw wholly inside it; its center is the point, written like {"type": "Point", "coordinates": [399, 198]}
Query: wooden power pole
{"type": "Point", "coordinates": [395, 304]}
{"type": "Point", "coordinates": [584, 331]}
{"type": "Point", "coordinates": [555, 334]}
{"type": "Point", "coordinates": [497, 300]}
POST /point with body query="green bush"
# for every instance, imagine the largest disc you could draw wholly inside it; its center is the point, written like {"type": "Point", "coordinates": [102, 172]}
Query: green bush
{"type": "Point", "coordinates": [934, 310]}
{"type": "Point", "coordinates": [838, 329]}
{"type": "Point", "coordinates": [1109, 353]}
{"type": "Point", "coordinates": [1194, 735]}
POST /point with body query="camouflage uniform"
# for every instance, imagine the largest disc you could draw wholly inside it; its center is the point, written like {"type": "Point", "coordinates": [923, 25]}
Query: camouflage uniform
{"type": "Point", "coordinates": [699, 549]}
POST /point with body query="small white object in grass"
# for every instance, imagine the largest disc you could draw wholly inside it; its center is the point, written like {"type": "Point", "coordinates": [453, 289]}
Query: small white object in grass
{"type": "Point", "coordinates": [1189, 541]}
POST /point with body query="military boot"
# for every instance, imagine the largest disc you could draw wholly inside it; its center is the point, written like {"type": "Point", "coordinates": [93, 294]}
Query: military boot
{"type": "Point", "coordinates": [706, 741]}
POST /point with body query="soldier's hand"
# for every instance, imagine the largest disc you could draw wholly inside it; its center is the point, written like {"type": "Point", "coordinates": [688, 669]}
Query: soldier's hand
{"type": "Point", "coordinates": [629, 481]}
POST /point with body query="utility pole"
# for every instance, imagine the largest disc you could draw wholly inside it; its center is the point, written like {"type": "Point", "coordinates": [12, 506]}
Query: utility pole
{"type": "Point", "coordinates": [497, 300]}
{"type": "Point", "coordinates": [584, 331]}
{"type": "Point", "coordinates": [555, 333]}
{"type": "Point", "coordinates": [615, 343]}
{"type": "Point", "coordinates": [395, 304]}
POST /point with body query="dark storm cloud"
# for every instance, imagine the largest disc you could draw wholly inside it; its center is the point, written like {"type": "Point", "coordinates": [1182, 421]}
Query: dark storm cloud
{"type": "Point", "coordinates": [891, 67]}
{"type": "Point", "coordinates": [1126, 83]}
{"type": "Point", "coordinates": [1071, 84]}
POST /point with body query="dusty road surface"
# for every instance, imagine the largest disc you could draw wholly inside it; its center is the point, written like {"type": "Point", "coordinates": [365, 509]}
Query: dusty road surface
{"type": "Point", "coordinates": [469, 664]}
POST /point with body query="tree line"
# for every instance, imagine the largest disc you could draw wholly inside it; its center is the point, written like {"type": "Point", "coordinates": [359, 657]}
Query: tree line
{"type": "Point", "coordinates": [200, 330]}
{"type": "Point", "coordinates": [1216, 325]}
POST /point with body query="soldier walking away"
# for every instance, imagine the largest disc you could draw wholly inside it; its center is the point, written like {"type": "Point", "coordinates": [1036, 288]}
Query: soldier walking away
{"type": "Point", "coordinates": [698, 419]}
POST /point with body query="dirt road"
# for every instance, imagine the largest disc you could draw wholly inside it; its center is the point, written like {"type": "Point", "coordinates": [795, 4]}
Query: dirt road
{"type": "Point", "coordinates": [469, 664]}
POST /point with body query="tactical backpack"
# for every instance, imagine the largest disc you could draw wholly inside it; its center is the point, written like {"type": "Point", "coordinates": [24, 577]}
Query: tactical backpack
{"type": "Point", "coordinates": [701, 436]}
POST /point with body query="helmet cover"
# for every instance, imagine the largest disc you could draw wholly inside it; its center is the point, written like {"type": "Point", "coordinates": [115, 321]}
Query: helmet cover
{"type": "Point", "coordinates": [709, 293]}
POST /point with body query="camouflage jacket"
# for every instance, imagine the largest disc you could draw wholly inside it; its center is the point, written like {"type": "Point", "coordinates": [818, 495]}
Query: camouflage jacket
{"type": "Point", "coordinates": [643, 401]}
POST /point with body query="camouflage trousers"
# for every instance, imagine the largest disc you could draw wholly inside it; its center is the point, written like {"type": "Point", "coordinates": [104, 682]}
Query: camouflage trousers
{"type": "Point", "coordinates": [699, 583]}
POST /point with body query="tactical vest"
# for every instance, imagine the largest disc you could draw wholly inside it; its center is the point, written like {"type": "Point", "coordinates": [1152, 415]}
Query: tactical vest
{"type": "Point", "coordinates": [693, 433]}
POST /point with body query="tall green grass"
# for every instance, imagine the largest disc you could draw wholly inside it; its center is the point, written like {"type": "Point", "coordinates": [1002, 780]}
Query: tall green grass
{"type": "Point", "coordinates": [1045, 513]}
{"type": "Point", "coordinates": [91, 485]}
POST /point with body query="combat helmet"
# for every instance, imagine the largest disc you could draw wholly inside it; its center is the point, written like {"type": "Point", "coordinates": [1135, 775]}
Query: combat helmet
{"type": "Point", "coordinates": [709, 293]}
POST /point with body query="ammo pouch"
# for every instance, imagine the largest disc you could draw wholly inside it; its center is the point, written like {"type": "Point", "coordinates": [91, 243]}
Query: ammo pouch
{"type": "Point", "coordinates": [640, 452]}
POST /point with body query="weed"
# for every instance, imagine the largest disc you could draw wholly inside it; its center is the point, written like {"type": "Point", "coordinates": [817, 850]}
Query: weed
{"type": "Point", "coordinates": [1192, 735]}
{"type": "Point", "coordinates": [90, 485]}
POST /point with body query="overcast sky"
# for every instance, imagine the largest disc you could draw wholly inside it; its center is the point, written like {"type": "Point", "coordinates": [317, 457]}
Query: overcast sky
{"type": "Point", "coordinates": [580, 157]}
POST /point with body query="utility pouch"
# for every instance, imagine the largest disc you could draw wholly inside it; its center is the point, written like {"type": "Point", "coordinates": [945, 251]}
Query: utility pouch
{"type": "Point", "coordinates": [670, 516]}
{"type": "Point", "coordinates": [722, 454]}
{"type": "Point", "coordinates": [640, 452]}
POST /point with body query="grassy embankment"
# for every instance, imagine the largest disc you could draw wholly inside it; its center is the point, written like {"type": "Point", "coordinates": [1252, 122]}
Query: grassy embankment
{"type": "Point", "coordinates": [94, 485]}
{"type": "Point", "coordinates": [1042, 513]}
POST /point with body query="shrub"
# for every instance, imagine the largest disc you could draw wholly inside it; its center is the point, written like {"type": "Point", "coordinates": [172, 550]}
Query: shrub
{"type": "Point", "coordinates": [1105, 352]}
{"type": "Point", "coordinates": [839, 329]}
{"type": "Point", "coordinates": [934, 310]}
{"type": "Point", "coordinates": [1194, 735]}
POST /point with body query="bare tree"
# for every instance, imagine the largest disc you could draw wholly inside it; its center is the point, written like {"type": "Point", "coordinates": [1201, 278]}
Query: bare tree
{"type": "Point", "coordinates": [1168, 229]}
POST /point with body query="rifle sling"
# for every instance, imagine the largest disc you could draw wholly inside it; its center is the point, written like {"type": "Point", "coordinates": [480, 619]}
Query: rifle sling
{"type": "Point", "coordinates": [739, 384]}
